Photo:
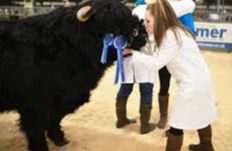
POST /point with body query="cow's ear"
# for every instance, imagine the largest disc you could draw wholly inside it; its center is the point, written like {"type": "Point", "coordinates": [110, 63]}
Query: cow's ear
{"type": "Point", "coordinates": [82, 14]}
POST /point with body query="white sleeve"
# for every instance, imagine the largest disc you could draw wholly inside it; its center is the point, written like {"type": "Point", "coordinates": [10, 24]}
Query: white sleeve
{"type": "Point", "coordinates": [169, 49]}
{"type": "Point", "coordinates": [139, 11]}
{"type": "Point", "coordinates": [182, 7]}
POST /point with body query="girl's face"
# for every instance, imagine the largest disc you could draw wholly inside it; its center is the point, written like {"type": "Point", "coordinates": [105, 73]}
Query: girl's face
{"type": "Point", "coordinates": [149, 22]}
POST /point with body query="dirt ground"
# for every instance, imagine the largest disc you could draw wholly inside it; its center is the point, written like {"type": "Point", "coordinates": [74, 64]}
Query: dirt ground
{"type": "Point", "coordinates": [92, 127]}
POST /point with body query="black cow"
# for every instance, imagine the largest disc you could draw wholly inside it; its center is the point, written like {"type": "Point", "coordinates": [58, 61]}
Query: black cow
{"type": "Point", "coordinates": [50, 63]}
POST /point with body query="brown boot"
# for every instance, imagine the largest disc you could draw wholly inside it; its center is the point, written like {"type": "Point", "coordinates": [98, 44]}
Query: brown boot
{"type": "Point", "coordinates": [163, 108]}
{"type": "Point", "coordinates": [174, 142]}
{"type": "Point", "coordinates": [145, 113]}
{"type": "Point", "coordinates": [205, 144]}
{"type": "Point", "coordinates": [122, 120]}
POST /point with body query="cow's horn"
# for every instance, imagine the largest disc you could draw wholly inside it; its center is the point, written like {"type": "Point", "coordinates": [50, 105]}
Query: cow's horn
{"type": "Point", "coordinates": [82, 13]}
{"type": "Point", "coordinates": [84, 3]}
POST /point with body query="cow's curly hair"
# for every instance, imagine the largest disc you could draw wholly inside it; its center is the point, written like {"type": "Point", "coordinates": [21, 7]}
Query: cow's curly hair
{"type": "Point", "coordinates": [49, 64]}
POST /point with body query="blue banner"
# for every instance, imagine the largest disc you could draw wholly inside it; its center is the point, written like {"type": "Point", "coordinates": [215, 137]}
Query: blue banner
{"type": "Point", "coordinates": [215, 35]}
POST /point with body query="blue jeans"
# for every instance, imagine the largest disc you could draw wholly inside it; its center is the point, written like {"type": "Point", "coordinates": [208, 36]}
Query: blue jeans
{"type": "Point", "coordinates": [145, 89]}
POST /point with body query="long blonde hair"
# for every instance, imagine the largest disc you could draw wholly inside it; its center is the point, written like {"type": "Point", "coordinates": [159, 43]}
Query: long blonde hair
{"type": "Point", "coordinates": [164, 19]}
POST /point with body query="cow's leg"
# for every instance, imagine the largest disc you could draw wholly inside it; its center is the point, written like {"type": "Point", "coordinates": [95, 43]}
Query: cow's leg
{"type": "Point", "coordinates": [54, 131]}
{"type": "Point", "coordinates": [34, 124]}
{"type": "Point", "coordinates": [60, 109]}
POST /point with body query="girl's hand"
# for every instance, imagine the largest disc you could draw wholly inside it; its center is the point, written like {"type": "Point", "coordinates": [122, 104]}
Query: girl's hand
{"type": "Point", "coordinates": [127, 51]}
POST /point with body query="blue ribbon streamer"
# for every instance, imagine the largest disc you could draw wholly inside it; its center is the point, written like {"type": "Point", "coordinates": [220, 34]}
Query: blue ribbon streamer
{"type": "Point", "coordinates": [108, 41]}
{"type": "Point", "coordinates": [119, 43]}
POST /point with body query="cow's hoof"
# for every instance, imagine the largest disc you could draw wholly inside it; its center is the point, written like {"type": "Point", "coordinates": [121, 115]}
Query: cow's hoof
{"type": "Point", "coordinates": [62, 142]}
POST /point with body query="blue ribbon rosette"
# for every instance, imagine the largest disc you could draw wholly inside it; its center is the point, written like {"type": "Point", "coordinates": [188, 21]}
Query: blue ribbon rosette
{"type": "Point", "coordinates": [119, 43]}
{"type": "Point", "coordinates": [108, 41]}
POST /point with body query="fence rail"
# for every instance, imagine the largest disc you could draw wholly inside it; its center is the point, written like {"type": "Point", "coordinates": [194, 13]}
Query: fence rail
{"type": "Point", "coordinates": [21, 12]}
{"type": "Point", "coordinates": [201, 13]}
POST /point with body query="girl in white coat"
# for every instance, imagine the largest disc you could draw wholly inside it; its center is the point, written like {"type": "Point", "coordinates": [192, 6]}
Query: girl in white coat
{"type": "Point", "coordinates": [177, 50]}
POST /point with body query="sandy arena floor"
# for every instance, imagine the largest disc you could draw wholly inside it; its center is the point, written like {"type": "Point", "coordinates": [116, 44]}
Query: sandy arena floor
{"type": "Point", "coordinates": [92, 127]}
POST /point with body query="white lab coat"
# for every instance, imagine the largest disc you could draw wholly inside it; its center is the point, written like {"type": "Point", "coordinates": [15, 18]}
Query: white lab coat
{"type": "Point", "coordinates": [137, 73]}
{"type": "Point", "coordinates": [195, 104]}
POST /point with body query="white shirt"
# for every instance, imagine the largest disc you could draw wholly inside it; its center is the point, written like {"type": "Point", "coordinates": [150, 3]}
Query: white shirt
{"type": "Point", "coordinates": [138, 73]}
{"type": "Point", "coordinates": [195, 103]}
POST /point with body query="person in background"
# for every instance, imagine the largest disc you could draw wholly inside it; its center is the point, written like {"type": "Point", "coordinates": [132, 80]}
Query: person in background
{"type": "Point", "coordinates": [145, 79]}
{"type": "Point", "coordinates": [142, 76]}
{"type": "Point", "coordinates": [176, 48]}
{"type": "Point", "coordinates": [139, 2]}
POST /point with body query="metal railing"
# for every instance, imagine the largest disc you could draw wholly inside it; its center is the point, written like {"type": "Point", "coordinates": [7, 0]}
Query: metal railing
{"type": "Point", "coordinates": [201, 13]}
{"type": "Point", "coordinates": [21, 12]}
